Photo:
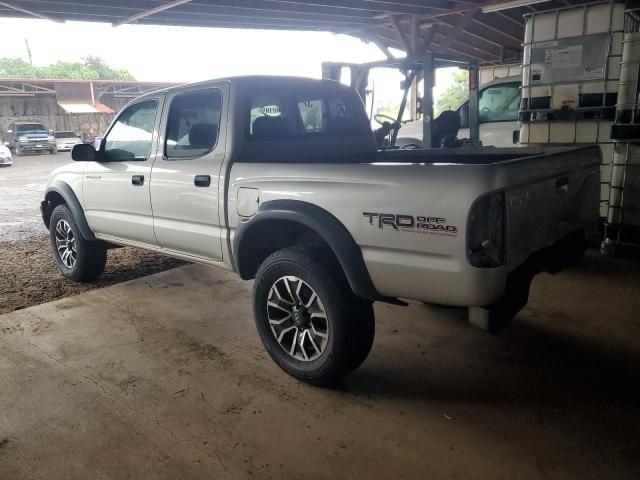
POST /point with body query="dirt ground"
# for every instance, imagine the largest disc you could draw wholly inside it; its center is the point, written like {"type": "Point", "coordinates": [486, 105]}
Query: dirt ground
{"type": "Point", "coordinates": [29, 275]}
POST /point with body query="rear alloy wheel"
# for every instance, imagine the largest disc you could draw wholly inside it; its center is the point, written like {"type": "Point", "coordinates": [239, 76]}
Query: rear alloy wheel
{"type": "Point", "coordinates": [309, 320]}
{"type": "Point", "coordinates": [77, 259]}
{"type": "Point", "coordinates": [297, 318]}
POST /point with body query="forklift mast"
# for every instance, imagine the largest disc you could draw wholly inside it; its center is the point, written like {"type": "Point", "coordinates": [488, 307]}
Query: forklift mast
{"type": "Point", "coordinates": [423, 67]}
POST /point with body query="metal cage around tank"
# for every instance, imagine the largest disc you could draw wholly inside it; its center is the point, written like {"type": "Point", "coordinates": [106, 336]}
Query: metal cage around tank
{"type": "Point", "coordinates": [622, 227]}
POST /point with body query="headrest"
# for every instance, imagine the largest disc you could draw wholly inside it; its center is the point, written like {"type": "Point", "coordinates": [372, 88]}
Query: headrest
{"type": "Point", "coordinates": [203, 135]}
{"type": "Point", "coordinates": [268, 128]}
{"type": "Point", "coordinates": [446, 124]}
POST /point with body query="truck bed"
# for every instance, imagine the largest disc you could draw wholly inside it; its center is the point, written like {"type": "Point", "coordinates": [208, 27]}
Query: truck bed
{"type": "Point", "coordinates": [480, 156]}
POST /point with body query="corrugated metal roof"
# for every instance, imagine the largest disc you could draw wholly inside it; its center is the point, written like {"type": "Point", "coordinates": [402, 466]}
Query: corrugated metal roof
{"type": "Point", "coordinates": [457, 28]}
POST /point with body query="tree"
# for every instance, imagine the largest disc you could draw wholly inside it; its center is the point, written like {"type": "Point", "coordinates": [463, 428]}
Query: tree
{"type": "Point", "coordinates": [16, 68]}
{"type": "Point", "coordinates": [456, 94]}
{"type": "Point", "coordinates": [90, 68]}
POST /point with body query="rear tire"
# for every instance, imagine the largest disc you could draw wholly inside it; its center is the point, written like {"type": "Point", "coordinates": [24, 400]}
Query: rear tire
{"type": "Point", "coordinates": [76, 258]}
{"type": "Point", "coordinates": [309, 320]}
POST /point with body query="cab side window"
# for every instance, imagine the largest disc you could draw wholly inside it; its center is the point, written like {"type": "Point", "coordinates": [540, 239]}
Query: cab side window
{"type": "Point", "coordinates": [132, 134]}
{"type": "Point", "coordinates": [193, 124]}
{"type": "Point", "coordinates": [499, 103]}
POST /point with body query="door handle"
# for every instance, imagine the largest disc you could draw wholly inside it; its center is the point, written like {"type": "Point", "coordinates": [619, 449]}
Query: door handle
{"type": "Point", "coordinates": [137, 180]}
{"type": "Point", "coordinates": [202, 180]}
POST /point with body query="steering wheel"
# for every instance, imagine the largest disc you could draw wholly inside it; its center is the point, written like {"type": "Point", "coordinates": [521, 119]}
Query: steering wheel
{"type": "Point", "coordinates": [410, 146]}
{"type": "Point", "coordinates": [381, 119]}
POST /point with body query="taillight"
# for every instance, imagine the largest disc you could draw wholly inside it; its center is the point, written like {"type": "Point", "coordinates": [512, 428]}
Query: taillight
{"type": "Point", "coordinates": [486, 232]}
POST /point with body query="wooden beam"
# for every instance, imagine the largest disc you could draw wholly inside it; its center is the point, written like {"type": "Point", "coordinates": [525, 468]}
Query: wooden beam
{"type": "Point", "coordinates": [428, 38]}
{"type": "Point", "coordinates": [151, 11]}
{"type": "Point", "coordinates": [400, 33]}
{"type": "Point", "coordinates": [457, 29]}
{"type": "Point", "coordinates": [371, 35]}
{"type": "Point", "coordinates": [31, 12]}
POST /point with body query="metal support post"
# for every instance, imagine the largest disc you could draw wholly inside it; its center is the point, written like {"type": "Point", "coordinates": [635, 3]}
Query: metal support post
{"type": "Point", "coordinates": [427, 100]}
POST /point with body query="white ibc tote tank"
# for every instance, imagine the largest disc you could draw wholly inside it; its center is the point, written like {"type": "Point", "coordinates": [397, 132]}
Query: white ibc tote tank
{"type": "Point", "coordinates": [570, 79]}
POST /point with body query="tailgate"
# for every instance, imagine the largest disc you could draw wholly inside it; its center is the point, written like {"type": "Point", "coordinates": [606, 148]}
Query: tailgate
{"type": "Point", "coordinates": [563, 198]}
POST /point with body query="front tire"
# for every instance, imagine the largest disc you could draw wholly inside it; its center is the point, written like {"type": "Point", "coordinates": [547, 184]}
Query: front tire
{"type": "Point", "coordinates": [309, 320]}
{"type": "Point", "coordinates": [76, 258]}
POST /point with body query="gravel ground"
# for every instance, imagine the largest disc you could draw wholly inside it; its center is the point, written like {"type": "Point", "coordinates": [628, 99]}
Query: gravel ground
{"type": "Point", "coordinates": [28, 275]}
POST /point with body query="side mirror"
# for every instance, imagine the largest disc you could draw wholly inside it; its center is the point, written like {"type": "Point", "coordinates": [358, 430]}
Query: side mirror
{"type": "Point", "coordinates": [9, 131]}
{"type": "Point", "coordinates": [51, 132]}
{"type": "Point", "coordinates": [464, 116]}
{"type": "Point", "coordinates": [83, 152]}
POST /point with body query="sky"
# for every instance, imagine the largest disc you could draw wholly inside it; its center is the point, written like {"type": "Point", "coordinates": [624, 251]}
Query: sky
{"type": "Point", "coordinates": [189, 54]}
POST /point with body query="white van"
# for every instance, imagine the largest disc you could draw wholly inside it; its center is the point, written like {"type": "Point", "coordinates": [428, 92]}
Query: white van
{"type": "Point", "coordinates": [498, 105]}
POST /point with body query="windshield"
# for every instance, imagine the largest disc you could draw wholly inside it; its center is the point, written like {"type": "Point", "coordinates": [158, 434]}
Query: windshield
{"type": "Point", "coordinates": [500, 103]}
{"type": "Point", "coordinates": [27, 127]}
{"type": "Point", "coordinates": [65, 135]}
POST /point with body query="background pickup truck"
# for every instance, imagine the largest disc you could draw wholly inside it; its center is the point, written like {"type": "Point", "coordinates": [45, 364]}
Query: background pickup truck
{"type": "Point", "coordinates": [30, 137]}
{"type": "Point", "coordinates": [280, 180]}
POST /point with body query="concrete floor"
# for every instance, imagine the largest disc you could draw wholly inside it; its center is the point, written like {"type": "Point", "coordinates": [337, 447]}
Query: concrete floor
{"type": "Point", "coordinates": [164, 378]}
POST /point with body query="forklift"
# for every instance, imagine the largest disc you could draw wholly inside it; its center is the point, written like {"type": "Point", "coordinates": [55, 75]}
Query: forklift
{"type": "Point", "coordinates": [440, 132]}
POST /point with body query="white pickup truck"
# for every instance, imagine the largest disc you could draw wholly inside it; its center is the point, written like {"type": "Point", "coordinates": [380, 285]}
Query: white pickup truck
{"type": "Point", "coordinates": [280, 180]}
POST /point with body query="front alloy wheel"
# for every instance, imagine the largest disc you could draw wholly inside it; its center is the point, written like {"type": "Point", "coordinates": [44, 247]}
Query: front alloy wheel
{"type": "Point", "coordinates": [77, 259]}
{"type": "Point", "coordinates": [66, 243]}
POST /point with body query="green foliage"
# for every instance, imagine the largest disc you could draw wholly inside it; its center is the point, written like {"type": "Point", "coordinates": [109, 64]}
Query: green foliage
{"type": "Point", "coordinates": [455, 95]}
{"type": "Point", "coordinates": [389, 110]}
{"type": "Point", "coordinates": [91, 68]}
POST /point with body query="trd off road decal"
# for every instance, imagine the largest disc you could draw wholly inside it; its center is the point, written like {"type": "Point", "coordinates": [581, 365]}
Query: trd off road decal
{"type": "Point", "coordinates": [410, 223]}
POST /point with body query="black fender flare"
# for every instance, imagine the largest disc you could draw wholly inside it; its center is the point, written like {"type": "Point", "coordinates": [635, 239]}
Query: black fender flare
{"type": "Point", "coordinates": [332, 231]}
{"type": "Point", "coordinates": [66, 192]}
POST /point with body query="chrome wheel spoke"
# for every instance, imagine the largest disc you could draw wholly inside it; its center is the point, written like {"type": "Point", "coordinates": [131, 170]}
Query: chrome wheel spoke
{"type": "Point", "coordinates": [315, 347]}
{"type": "Point", "coordinates": [65, 243]}
{"type": "Point", "coordinates": [312, 299]}
{"type": "Point", "coordinates": [275, 305]}
{"type": "Point", "coordinates": [288, 287]}
{"type": "Point", "coordinates": [294, 343]}
{"type": "Point", "coordinates": [316, 332]}
{"type": "Point", "coordinates": [280, 321]}
{"type": "Point", "coordinates": [297, 318]}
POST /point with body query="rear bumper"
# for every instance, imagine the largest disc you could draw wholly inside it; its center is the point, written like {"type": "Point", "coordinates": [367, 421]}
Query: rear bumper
{"type": "Point", "coordinates": [551, 259]}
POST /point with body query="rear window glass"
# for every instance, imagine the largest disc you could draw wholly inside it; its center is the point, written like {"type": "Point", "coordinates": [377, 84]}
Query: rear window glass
{"type": "Point", "coordinates": [277, 115]}
{"type": "Point", "coordinates": [193, 124]}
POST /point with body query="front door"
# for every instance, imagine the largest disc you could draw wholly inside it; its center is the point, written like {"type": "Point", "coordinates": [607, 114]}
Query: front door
{"type": "Point", "coordinates": [116, 188]}
{"type": "Point", "coordinates": [186, 178]}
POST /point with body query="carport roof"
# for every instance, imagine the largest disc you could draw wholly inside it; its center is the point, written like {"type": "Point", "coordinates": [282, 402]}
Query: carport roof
{"type": "Point", "coordinates": [447, 27]}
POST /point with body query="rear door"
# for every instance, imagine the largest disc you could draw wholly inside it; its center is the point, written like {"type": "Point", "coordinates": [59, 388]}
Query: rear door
{"type": "Point", "coordinates": [186, 179]}
{"type": "Point", "coordinates": [116, 189]}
